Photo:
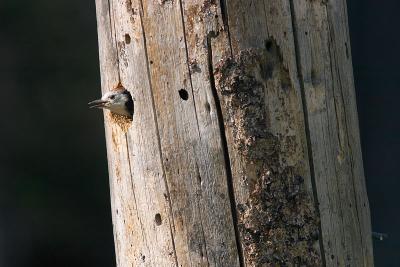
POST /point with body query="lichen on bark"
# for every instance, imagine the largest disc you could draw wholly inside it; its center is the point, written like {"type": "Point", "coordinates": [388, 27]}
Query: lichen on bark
{"type": "Point", "coordinates": [278, 225]}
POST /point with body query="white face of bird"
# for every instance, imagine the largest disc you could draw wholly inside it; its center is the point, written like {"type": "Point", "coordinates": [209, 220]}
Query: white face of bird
{"type": "Point", "coordinates": [115, 101]}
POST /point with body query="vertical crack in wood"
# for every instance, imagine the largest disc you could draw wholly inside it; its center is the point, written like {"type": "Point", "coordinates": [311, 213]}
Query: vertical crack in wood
{"type": "Point", "coordinates": [201, 220]}
{"type": "Point", "coordinates": [341, 217]}
{"type": "Point", "coordinates": [187, 62]}
{"type": "Point", "coordinates": [224, 14]}
{"type": "Point", "coordinates": [133, 192]}
{"type": "Point", "coordinates": [307, 126]}
{"type": "Point", "coordinates": [225, 21]}
{"type": "Point", "coordinates": [225, 149]}
{"type": "Point", "coordinates": [197, 122]}
{"type": "Point", "coordinates": [333, 55]}
{"type": "Point", "coordinates": [113, 30]}
{"type": "Point", "coordinates": [171, 215]}
{"type": "Point", "coordinates": [113, 36]}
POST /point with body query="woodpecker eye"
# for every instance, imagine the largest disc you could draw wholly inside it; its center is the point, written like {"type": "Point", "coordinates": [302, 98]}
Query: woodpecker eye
{"type": "Point", "coordinates": [112, 97]}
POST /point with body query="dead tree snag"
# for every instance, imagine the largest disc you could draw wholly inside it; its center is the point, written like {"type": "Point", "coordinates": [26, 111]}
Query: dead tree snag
{"type": "Point", "coordinates": [244, 147]}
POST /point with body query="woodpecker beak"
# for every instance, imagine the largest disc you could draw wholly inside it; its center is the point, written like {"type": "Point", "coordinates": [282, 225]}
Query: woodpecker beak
{"type": "Point", "coordinates": [97, 103]}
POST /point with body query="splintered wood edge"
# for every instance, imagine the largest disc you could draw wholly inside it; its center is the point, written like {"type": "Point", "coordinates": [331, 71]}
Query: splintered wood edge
{"type": "Point", "coordinates": [123, 122]}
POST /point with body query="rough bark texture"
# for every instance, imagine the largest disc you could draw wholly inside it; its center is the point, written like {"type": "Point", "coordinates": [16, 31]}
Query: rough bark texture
{"type": "Point", "coordinates": [244, 146]}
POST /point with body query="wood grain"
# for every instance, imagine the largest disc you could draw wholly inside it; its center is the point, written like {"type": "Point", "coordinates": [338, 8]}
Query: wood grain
{"type": "Point", "coordinates": [325, 64]}
{"type": "Point", "coordinates": [244, 147]}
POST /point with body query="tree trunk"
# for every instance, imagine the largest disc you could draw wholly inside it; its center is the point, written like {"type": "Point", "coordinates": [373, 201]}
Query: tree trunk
{"type": "Point", "coordinates": [244, 147]}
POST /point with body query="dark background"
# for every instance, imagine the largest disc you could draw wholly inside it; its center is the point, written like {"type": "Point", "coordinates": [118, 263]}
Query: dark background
{"type": "Point", "coordinates": [54, 198]}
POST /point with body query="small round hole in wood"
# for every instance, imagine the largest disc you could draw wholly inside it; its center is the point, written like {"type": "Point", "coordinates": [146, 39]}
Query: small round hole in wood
{"type": "Point", "coordinates": [157, 219]}
{"type": "Point", "coordinates": [208, 107]}
{"type": "Point", "coordinates": [127, 39]}
{"type": "Point", "coordinates": [184, 94]}
{"type": "Point", "coordinates": [268, 45]}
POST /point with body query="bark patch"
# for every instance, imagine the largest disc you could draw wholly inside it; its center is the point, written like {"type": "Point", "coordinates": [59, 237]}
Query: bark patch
{"type": "Point", "coordinates": [277, 223]}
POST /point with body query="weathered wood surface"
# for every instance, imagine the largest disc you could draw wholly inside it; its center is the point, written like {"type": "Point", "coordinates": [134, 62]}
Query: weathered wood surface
{"type": "Point", "coordinates": [327, 77]}
{"type": "Point", "coordinates": [244, 146]}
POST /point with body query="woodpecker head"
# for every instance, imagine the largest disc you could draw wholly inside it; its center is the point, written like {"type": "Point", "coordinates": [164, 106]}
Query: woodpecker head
{"type": "Point", "coordinates": [118, 101]}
